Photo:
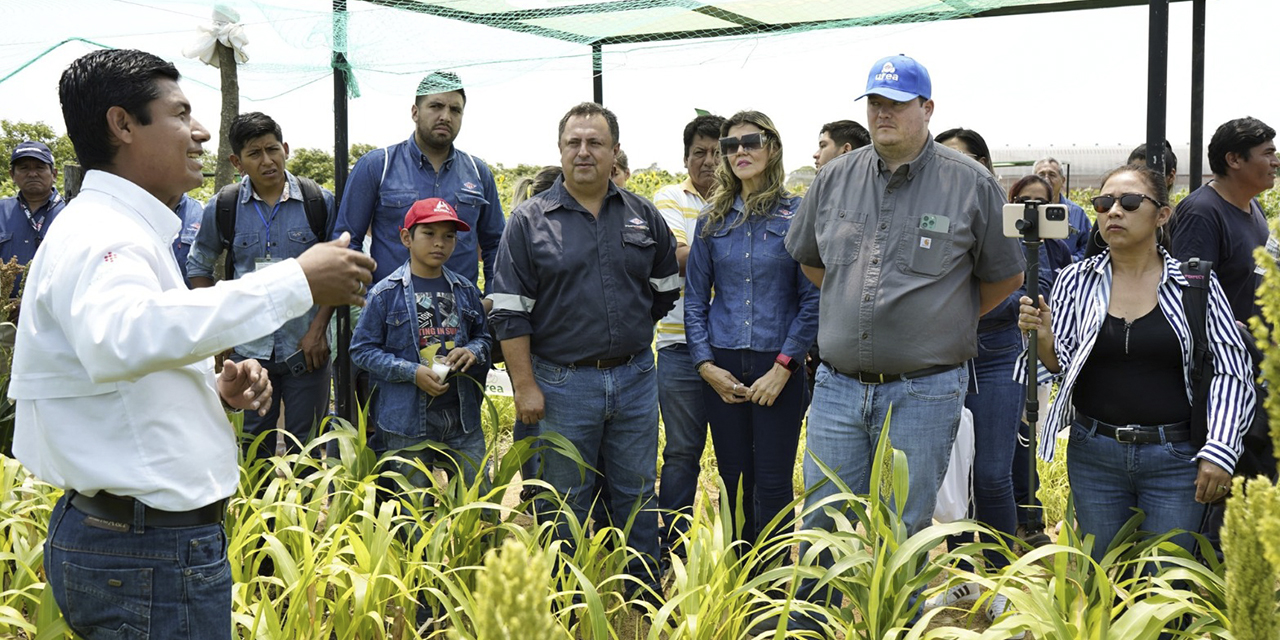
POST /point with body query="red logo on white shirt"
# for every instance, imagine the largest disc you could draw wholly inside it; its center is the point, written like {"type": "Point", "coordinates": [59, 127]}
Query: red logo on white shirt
{"type": "Point", "coordinates": [110, 257]}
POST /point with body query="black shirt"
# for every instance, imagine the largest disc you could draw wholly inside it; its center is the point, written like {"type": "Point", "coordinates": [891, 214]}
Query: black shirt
{"type": "Point", "coordinates": [584, 287]}
{"type": "Point", "coordinates": [437, 318]}
{"type": "Point", "coordinates": [1208, 227]}
{"type": "Point", "coordinates": [1134, 373]}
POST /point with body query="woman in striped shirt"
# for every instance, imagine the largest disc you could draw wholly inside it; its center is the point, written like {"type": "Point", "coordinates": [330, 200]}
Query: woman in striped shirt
{"type": "Point", "coordinates": [1120, 341]}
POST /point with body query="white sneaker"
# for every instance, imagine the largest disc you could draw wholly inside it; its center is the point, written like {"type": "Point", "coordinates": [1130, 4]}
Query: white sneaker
{"type": "Point", "coordinates": [962, 593]}
{"type": "Point", "coordinates": [997, 607]}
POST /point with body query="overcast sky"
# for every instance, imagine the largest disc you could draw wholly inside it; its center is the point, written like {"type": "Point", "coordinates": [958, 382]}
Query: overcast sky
{"type": "Point", "coordinates": [1076, 78]}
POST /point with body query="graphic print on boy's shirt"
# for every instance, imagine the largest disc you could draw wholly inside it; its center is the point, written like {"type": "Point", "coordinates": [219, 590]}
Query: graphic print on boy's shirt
{"type": "Point", "coordinates": [437, 319]}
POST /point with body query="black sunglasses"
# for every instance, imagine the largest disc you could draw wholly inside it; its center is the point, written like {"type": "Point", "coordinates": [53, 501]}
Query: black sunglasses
{"type": "Point", "coordinates": [1130, 202]}
{"type": "Point", "coordinates": [748, 142]}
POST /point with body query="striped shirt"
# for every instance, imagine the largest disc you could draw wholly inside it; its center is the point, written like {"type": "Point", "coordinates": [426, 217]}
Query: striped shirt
{"type": "Point", "coordinates": [1079, 302]}
{"type": "Point", "coordinates": [679, 205]}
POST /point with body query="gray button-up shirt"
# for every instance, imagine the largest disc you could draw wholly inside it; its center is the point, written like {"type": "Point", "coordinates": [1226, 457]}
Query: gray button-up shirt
{"type": "Point", "coordinates": [584, 287]}
{"type": "Point", "coordinates": [903, 254]}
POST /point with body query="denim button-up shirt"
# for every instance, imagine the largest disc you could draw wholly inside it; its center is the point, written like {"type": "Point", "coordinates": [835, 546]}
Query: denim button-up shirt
{"type": "Point", "coordinates": [763, 302]}
{"type": "Point", "coordinates": [386, 182]}
{"type": "Point", "coordinates": [385, 343]}
{"type": "Point", "coordinates": [19, 235]}
{"type": "Point", "coordinates": [290, 235]}
{"type": "Point", "coordinates": [191, 213]}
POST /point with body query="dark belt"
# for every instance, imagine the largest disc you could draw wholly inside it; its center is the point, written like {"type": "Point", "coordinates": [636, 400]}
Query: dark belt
{"type": "Point", "coordinates": [1137, 433]}
{"type": "Point", "coordinates": [118, 509]}
{"type": "Point", "coordinates": [607, 363]}
{"type": "Point", "coordinates": [866, 377]}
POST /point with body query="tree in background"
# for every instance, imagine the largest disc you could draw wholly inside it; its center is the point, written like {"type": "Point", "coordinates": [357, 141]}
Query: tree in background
{"type": "Point", "coordinates": [12, 133]}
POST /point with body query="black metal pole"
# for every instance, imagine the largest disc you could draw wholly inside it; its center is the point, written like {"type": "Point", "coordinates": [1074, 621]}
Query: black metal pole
{"type": "Point", "coordinates": [597, 73]}
{"type": "Point", "coordinates": [1157, 80]}
{"type": "Point", "coordinates": [1031, 280]}
{"type": "Point", "coordinates": [1196, 166]}
{"type": "Point", "coordinates": [344, 399]}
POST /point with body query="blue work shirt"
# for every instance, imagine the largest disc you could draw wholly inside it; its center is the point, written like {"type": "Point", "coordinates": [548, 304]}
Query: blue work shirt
{"type": "Point", "coordinates": [191, 213]}
{"type": "Point", "coordinates": [1055, 255]}
{"type": "Point", "coordinates": [763, 301]}
{"type": "Point", "coordinates": [21, 229]}
{"type": "Point", "coordinates": [285, 228]}
{"type": "Point", "coordinates": [385, 182]}
{"type": "Point", "coordinates": [1081, 227]}
{"type": "Point", "coordinates": [385, 343]}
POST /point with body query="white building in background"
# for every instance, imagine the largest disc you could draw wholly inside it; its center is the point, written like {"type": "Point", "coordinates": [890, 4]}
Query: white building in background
{"type": "Point", "coordinates": [1085, 166]}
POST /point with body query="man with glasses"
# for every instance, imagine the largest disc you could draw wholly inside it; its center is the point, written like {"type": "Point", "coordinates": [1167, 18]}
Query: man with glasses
{"type": "Point", "coordinates": [684, 418]}
{"type": "Point", "coordinates": [904, 238]}
{"type": "Point", "coordinates": [1078, 238]}
{"type": "Point", "coordinates": [583, 272]}
{"type": "Point", "coordinates": [25, 218]}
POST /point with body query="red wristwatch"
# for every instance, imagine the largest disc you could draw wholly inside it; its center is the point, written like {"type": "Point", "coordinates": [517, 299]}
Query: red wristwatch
{"type": "Point", "coordinates": [788, 362]}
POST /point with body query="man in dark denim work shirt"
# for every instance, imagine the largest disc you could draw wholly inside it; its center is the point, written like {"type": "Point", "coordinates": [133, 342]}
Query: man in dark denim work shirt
{"type": "Point", "coordinates": [904, 238]}
{"type": "Point", "coordinates": [584, 271]}
{"type": "Point", "coordinates": [25, 218]}
{"type": "Point", "coordinates": [386, 182]}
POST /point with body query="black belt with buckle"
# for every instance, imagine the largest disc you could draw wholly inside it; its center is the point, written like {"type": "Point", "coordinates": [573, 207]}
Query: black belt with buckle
{"type": "Point", "coordinates": [119, 509]}
{"type": "Point", "coordinates": [607, 363]}
{"type": "Point", "coordinates": [866, 377]}
{"type": "Point", "coordinates": [1137, 433]}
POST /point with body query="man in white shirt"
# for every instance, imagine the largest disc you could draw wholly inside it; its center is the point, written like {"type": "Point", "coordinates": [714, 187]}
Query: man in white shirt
{"type": "Point", "coordinates": [117, 400]}
{"type": "Point", "coordinates": [684, 419]}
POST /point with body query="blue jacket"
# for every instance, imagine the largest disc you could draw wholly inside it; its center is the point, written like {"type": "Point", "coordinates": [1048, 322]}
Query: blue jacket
{"type": "Point", "coordinates": [19, 235]}
{"type": "Point", "coordinates": [385, 344]}
{"type": "Point", "coordinates": [763, 302]}
{"type": "Point", "coordinates": [385, 182]}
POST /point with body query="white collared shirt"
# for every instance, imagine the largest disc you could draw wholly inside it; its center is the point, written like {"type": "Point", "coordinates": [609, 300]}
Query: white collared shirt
{"type": "Point", "coordinates": [113, 369]}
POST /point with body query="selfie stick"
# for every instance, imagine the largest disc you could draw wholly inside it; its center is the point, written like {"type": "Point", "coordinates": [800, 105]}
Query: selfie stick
{"type": "Point", "coordinates": [1028, 226]}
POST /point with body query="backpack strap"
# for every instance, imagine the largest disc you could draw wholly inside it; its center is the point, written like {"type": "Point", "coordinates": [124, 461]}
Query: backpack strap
{"type": "Point", "coordinates": [226, 218]}
{"type": "Point", "coordinates": [1195, 304]}
{"type": "Point", "coordinates": [313, 202]}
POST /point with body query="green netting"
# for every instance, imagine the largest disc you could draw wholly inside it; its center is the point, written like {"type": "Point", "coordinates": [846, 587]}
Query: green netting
{"type": "Point", "coordinates": [388, 45]}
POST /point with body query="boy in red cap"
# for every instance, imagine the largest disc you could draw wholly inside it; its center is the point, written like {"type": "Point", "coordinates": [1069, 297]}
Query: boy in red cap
{"type": "Point", "coordinates": [424, 340]}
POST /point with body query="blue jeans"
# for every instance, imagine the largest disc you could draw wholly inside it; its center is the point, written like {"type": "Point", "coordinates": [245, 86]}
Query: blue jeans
{"type": "Point", "coordinates": [306, 402]}
{"type": "Point", "coordinates": [997, 410]}
{"type": "Point", "coordinates": [756, 445]}
{"type": "Point", "coordinates": [150, 582]}
{"type": "Point", "coordinates": [532, 468]}
{"type": "Point", "coordinates": [845, 422]}
{"type": "Point", "coordinates": [1109, 480]}
{"type": "Point", "coordinates": [610, 414]}
{"type": "Point", "coordinates": [684, 419]}
{"type": "Point", "coordinates": [445, 427]}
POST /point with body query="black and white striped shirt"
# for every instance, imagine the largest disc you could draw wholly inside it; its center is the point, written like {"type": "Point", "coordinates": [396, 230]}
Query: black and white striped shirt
{"type": "Point", "coordinates": [1079, 301]}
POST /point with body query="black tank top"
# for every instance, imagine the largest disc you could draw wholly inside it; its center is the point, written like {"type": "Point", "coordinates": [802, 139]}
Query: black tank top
{"type": "Point", "coordinates": [1134, 373]}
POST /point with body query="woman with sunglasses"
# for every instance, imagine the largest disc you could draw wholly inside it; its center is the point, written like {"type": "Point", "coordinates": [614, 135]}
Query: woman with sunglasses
{"type": "Point", "coordinates": [1120, 340]}
{"type": "Point", "coordinates": [749, 342]}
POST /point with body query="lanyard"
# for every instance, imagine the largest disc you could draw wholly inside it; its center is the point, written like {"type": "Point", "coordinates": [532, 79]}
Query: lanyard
{"type": "Point", "coordinates": [266, 222]}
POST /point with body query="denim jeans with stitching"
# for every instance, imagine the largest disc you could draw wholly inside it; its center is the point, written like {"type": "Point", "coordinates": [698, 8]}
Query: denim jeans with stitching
{"type": "Point", "coordinates": [684, 420]}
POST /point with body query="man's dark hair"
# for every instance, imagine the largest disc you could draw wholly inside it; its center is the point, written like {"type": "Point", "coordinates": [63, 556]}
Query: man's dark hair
{"type": "Point", "coordinates": [248, 126]}
{"type": "Point", "coordinates": [586, 110]}
{"type": "Point", "coordinates": [707, 126]}
{"type": "Point", "coordinates": [1236, 136]}
{"type": "Point", "coordinates": [1139, 154]}
{"type": "Point", "coordinates": [103, 79]}
{"type": "Point", "coordinates": [848, 132]}
{"type": "Point", "coordinates": [440, 82]}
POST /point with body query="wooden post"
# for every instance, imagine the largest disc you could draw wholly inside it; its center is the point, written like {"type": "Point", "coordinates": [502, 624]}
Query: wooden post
{"type": "Point", "coordinates": [72, 177]}
{"type": "Point", "coordinates": [230, 109]}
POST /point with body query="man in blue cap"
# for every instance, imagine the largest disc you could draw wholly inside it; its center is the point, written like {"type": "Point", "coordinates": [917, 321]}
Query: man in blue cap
{"type": "Point", "coordinates": [25, 218]}
{"type": "Point", "coordinates": [904, 237]}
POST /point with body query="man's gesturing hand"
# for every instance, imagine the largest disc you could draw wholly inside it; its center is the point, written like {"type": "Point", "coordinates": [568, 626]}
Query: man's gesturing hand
{"type": "Point", "coordinates": [244, 385]}
{"type": "Point", "coordinates": [337, 275]}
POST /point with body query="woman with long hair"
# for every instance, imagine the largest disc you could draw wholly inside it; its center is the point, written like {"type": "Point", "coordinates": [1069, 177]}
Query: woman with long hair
{"type": "Point", "coordinates": [749, 342]}
{"type": "Point", "coordinates": [1121, 341]}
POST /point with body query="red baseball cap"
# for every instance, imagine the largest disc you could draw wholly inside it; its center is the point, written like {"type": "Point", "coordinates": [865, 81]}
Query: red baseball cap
{"type": "Point", "coordinates": [433, 210]}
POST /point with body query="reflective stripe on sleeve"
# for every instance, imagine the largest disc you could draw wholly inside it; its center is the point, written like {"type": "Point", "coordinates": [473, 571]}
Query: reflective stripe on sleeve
{"type": "Point", "coordinates": [512, 302]}
{"type": "Point", "coordinates": [669, 283]}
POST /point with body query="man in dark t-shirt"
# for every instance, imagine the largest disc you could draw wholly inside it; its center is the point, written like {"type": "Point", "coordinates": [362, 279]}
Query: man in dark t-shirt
{"type": "Point", "coordinates": [1223, 222]}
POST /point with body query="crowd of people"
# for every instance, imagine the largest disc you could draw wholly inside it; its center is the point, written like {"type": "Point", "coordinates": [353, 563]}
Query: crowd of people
{"type": "Point", "coordinates": [888, 289]}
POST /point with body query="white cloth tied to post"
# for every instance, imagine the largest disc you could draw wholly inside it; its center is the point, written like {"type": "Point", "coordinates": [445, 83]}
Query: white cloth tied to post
{"type": "Point", "coordinates": [225, 29]}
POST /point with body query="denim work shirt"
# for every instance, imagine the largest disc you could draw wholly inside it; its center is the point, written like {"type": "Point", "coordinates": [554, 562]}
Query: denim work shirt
{"type": "Point", "coordinates": [22, 230]}
{"type": "Point", "coordinates": [290, 235]}
{"type": "Point", "coordinates": [191, 213]}
{"type": "Point", "coordinates": [386, 182]}
{"type": "Point", "coordinates": [385, 343]}
{"type": "Point", "coordinates": [763, 302]}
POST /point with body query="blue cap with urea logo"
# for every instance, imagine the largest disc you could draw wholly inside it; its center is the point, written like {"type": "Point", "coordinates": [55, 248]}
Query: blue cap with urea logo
{"type": "Point", "coordinates": [899, 78]}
